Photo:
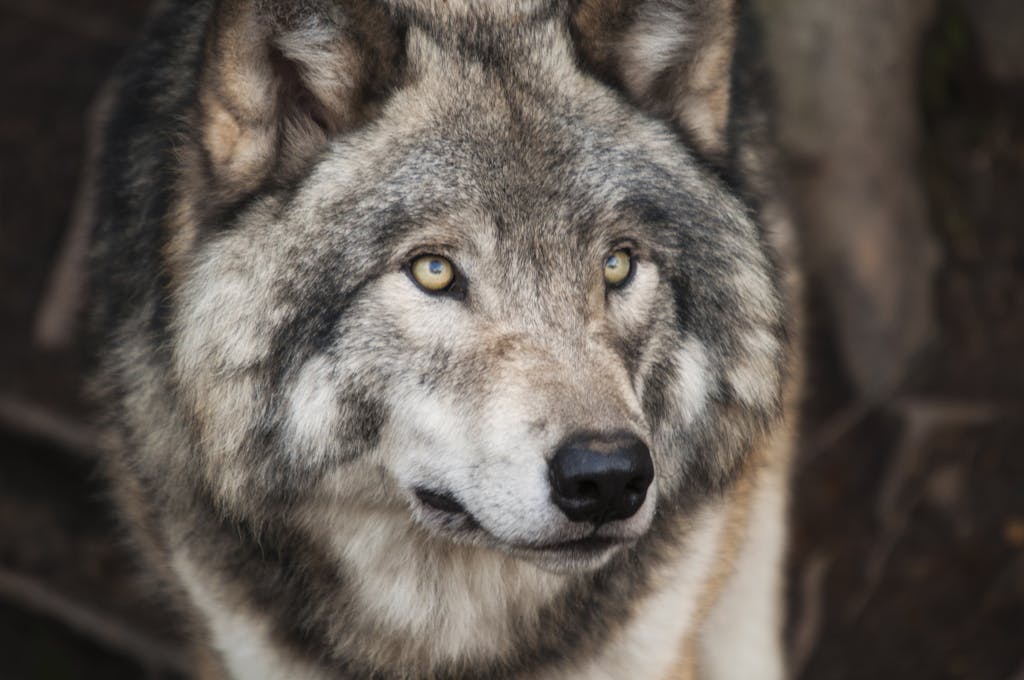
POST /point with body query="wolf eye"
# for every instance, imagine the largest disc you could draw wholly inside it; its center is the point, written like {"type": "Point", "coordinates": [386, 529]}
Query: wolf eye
{"type": "Point", "coordinates": [433, 273]}
{"type": "Point", "coordinates": [617, 268]}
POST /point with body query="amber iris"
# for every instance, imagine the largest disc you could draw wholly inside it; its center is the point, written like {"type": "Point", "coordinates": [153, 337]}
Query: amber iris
{"type": "Point", "coordinates": [433, 272]}
{"type": "Point", "coordinates": [617, 268]}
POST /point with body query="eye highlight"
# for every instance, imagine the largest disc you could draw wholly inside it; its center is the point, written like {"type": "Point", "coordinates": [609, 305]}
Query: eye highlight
{"type": "Point", "coordinates": [617, 268]}
{"type": "Point", "coordinates": [433, 273]}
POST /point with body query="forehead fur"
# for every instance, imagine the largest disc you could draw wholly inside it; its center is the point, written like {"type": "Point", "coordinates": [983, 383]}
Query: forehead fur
{"type": "Point", "coordinates": [479, 11]}
{"type": "Point", "coordinates": [513, 137]}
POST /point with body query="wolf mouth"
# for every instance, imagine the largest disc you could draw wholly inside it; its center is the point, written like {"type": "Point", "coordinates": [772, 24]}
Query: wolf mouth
{"type": "Point", "coordinates": [439, 500]}
{"type": "Point", "coordinates": [443, 502]}
{"type": "Point", "coordinates": [590, 544]}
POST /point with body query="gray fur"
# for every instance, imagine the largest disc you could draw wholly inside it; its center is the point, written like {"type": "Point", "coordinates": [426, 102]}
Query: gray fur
{"type": "Point", "coordinates": [278, 388]}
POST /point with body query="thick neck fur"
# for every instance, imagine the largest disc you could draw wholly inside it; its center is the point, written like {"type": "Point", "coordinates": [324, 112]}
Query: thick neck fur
{"type": "Point", "coordinates": [386, 599]}
{"type": "Point", "coordinates": [351, 590]}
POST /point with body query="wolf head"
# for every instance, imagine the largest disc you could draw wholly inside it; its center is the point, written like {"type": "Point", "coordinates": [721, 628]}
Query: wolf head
{"type": "Point", "coordinates": [468, 264]}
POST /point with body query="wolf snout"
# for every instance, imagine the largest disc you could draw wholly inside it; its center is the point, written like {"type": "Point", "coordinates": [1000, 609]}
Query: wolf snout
{"type": "Point", "coordinates": [601, 478]}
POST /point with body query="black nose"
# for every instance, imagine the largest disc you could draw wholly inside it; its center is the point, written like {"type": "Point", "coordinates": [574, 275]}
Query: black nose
{"type": "Point", "coordinates": [600, 478]}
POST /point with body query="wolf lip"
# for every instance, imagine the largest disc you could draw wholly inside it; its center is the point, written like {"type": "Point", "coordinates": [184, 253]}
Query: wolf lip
{"type": "Point", "coordinates": [439, 500]}
{"type": "Point", "coordinates": [590, 544]}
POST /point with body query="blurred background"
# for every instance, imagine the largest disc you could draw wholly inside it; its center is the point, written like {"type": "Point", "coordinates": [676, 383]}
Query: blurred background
{"type": "Point", "coordinates": [902, 127]}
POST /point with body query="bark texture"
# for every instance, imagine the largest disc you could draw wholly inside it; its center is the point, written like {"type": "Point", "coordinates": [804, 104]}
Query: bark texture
{"type": "Point", "coordinates": [848, 125]}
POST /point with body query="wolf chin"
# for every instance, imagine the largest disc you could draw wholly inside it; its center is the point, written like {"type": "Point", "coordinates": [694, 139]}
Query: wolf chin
{"type": "Point", "coordinates": [450, 338]}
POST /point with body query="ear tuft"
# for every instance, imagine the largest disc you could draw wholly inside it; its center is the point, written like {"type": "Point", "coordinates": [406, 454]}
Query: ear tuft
{"type": "Point", "coordinates": [281, 77]}
{"type": "Point", "coordinates": [672, 57]}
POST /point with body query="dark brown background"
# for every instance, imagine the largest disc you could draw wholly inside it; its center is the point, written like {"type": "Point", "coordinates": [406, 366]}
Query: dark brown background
{"type": "Point", "coordinates": [902, 125]}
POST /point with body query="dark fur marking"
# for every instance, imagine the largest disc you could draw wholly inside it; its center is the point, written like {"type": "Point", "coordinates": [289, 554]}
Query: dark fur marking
{"type": "Point", "coordinates": [656, 388]}
{"type": "Point", "coordinates": [371, 418]}
{"type": "Point", "coordinates": [681, 300]}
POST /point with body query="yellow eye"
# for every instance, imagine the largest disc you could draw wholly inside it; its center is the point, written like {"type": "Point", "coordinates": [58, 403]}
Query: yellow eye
{"type": "Point", "coordinates": [617, 268]}
{"type": "Point", "coordinates": [433, 272]}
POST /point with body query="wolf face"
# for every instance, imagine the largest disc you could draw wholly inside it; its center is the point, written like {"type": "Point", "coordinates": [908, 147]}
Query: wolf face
{"type": "Point", "coordinates": [532, 403]}
{"type": "Point", "coordinates": [428, 306]}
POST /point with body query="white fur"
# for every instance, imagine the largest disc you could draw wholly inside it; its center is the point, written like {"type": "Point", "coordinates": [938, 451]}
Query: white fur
{"type": "Point", "coordinates": [754, 289]}
{"type": "Point", "coordinates": [228, 318]}
{"type": "Point", "coordinates": [634, 305]}
{"type": "Point", "coordinates": [692, 381]}
{"type": "Point", "coordinates": [653, 45]}
{"type": "Point", "coordinates": [242, 639]}
{"type": "Point", "coordinates": [756, 375]}
{"type": "Point", "coordinates": [225, 323]}
{"type": "Point", "coordinates": [313, 411]}
{"type": "Point", "coordinates": [456, 599]}
{"type": "Point", "coordinates": [651, 646]}
{"type": "Point", "coordinates": [316, 47]}
{"type": "Point", "coordinates": [741, 638]}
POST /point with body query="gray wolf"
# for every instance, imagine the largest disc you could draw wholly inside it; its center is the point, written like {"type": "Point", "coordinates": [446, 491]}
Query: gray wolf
{"type": "Point", "coordinates": [449, 338]}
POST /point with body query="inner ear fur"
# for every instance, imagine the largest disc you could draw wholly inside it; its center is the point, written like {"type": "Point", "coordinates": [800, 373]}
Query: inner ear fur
{"type": "Point", "coordinates": [671, 57]}
{"type": "Point", "coordinates": [281, 77]}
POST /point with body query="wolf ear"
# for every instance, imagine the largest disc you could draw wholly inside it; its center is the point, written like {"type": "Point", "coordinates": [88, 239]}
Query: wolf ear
{"type": "Point", "coordinates": [671, 57]}
{"type": "Point", "coordinates": [281, 77]}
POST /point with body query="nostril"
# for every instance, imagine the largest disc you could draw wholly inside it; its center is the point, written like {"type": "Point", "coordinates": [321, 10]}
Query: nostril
{"type": "Point", "coordinates": [587, 489]}
{"type": "Point", "coordinates": [639, 484]}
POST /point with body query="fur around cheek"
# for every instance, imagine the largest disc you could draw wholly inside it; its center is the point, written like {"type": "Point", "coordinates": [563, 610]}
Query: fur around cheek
{"type": "Point", "coordinates": [218, 349]}
{"type": "Point", "coordinates": [633, 306]}
{"type": "Point", "coordinates": [418, 315]}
